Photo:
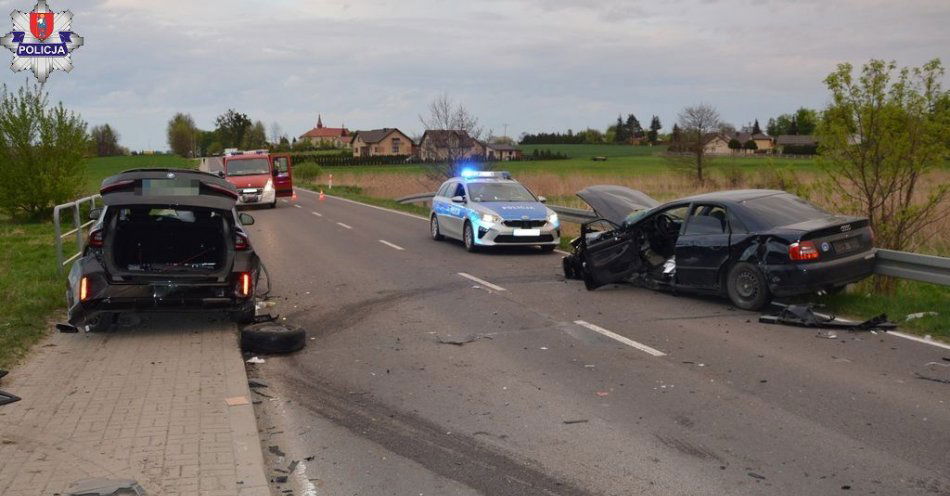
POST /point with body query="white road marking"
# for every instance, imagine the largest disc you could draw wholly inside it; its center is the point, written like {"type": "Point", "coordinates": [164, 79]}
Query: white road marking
{"type": "Point", "coordinates": [482, 282]}
{"type": "Point", "coordinates": [407, 214]}
{"type": "Point", "coordinates": [387, 243]}
{"type": "Point", "coordinates": [938, 344]}
{"type": "Point", "coordinates": [343, 225]}
{"type": "Point", "coordinates": [627, 341]}
{"type": "Point", "coordinates": [318, 214]}
{"type": "Point", "coordinates": [298, 206]}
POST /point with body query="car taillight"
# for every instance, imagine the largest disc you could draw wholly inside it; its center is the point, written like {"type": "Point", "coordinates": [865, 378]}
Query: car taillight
{"type": "Point", "coordinates": [240, 242]}
{"type": "Point", "coordinates": [95, 238]}
{"type": "Point", "coordinates": [244, 284]}
{"type": "Point", "coordinates": [84, 289]}
{"type": "Point", "coordinates": [803, 250]}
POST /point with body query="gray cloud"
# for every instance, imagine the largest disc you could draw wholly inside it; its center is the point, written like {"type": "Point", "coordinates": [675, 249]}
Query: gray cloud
{"type": "Point", "coordinates": [533, 64]}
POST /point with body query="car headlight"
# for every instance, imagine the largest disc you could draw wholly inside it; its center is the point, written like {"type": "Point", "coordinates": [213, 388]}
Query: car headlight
{"type": "Point", "coordinates": [552, 218]}
{"type": "Point", "coordinates": [490, 219]}
{"type": "Point", "coordinates": [269, 186]}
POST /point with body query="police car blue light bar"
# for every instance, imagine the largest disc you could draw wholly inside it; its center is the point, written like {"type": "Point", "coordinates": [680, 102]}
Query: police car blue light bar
{"type": "Point", "coordinates": [496, 174]}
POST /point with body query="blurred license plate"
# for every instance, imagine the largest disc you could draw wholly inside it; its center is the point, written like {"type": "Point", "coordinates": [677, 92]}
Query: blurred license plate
{"type": "Point", "coordinates": [527, 232]}
{"type": "Point", "coordinates": [846, 245]}
{"type": "Point", "coordinates": [249, 198]}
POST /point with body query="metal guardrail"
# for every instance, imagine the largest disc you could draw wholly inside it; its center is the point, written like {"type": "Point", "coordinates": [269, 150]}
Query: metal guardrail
{"type": "Point", "coordinates": [899, 264]}
{"type": "Point", "coordinates": [78, 228]}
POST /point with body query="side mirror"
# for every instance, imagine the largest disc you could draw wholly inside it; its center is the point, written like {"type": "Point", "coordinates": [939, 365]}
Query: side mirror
{"type": "Point", "coordinates": [246, 219]}
{"type": "Point", "coordinates": [95, 213]}
{"type": "Point", "coordinates": [542, 199]}
{"type": "Point", "coordinates": [458, 199]}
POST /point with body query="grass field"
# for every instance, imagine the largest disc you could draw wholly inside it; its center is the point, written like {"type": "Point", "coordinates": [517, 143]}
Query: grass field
{"type": "Point", "coordinates": [31, 290]}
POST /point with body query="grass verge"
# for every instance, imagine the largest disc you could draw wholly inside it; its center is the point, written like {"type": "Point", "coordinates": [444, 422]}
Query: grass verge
{"type": "Point", "coordinates": [356, 193]}
{"type": "Point", "coordinates": [31, 290]}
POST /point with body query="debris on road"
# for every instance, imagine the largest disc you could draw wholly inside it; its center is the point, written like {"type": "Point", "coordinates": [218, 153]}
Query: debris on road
{"type": "Point", "coordinates": [7, 398]}
{"type": "Point", "coordinates": [106, 487]}
{"type": "Point", "coordinates": [256, 383]}
{"type": "Point", "coordinates": [756, 476]}
{"type": "Point", "coordinates": [602, 394]}
{"type": "Point", "coordinates": [461, 340]}
{"type": "Point", "coordinates": [805, 316]}
{"type": "Point", "coordinates": [255, 360]}
{"type": "Point", "coordinates": [275, 450]}
{"type": "Point", "coordinates": [918, 315]}
{"type": "Point", "coordinates": [237, 401]}
{"type": "Point", "coordinates": [827, 335]}
{"type": "Point", "coordinates": [578, 421]}
{"type": "Point", "coordinates": [935, 372]}
{"type": "Point", "coordinates": [269, 337]}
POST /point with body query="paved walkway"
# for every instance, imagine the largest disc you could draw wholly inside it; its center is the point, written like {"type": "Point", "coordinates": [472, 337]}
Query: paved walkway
{"type": "Point", "coordinates": [144, 402]}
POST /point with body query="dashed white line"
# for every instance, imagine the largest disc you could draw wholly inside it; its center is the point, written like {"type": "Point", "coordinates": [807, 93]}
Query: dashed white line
{"type": "Point", "coordinates": [627, 341]}
{"type": "Point", "coordinates": [387, 243]}
{"type": "Point", "coordinates": [919, 340]}
{"type": "Point", "coordinates": [407, 214]}
{"type": "Point", "coordinates": [318, 214]}
{"type": "Point", "coordinates": [481, 281]}
{"type": "Point", "coordinates": [343, 225]}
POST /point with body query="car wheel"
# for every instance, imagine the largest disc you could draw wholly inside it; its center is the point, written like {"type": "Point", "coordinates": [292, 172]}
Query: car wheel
{"type": "Point", "coordinates": [747, 287]}
{"type": "Point", "coordinates": [272, 338]}
{"type": "Point", "coordinates": [273, 204]}
{"type": "Point", "coordinates": [567, 263]}
{"type": "Point", "coordinates": [101, 322]}
{"type": "Point", "coordinates": [434, 229]}
{"type": "Point", "coordinates": [468, 237]}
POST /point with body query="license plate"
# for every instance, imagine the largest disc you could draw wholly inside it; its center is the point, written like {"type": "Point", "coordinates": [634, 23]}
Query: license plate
{"type": "Point", "coordinates": [249, 199]}
{"type": "Point", "coordinates": [846, 245]}
{"type": "Point", "coordinates": [249, 191]}
{"type": "Point", "coordinates": [527, 232]}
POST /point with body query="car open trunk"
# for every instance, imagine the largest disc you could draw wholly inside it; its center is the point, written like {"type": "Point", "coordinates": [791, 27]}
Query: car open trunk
{"type": "Point", "coordinates": [169, 242]}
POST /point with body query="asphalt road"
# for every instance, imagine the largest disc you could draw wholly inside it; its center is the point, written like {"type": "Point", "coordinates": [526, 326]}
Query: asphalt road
{"type": "Point", "coordinates": [703, 400]}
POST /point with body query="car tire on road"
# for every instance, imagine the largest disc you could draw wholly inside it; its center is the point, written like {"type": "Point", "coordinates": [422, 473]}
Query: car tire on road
{"type": "Point", "coordinates": [747, 287]}
{"type": "Point", "coordinates": [434, 229]}
{"type": "Point", "coordinates": [570, 272]}
{"type": "Point", "coordinates": [269, 337]}
{"type": "Point", "coordinates": [468, 237]}
{"type": "Point", "coordinates": [273, 204]}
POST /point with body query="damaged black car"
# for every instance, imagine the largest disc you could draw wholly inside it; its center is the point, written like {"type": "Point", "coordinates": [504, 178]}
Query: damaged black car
{"type": "Point", "coordinates": [748, 245]}
{"type": "Point", "coordinates": [166, 240]}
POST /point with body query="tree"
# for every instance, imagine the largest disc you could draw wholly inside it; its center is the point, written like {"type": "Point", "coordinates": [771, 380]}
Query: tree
{"type": "Point", "coordinates": [183, 135]}
{"type": "Point", "coordinates": [755, 128]}
{"type": "Point", "coordinates": [878, 139]}
{"type": "Point", "coordinates": [697, 123]}
{"type": "Point", "coordinates": [621, 133]}
{"type": "Point", "coordinates": [255, 137]}
{"type": "Point", "coordinates": [230, 128]}
{"type": "Point", "coordinates": [633, 127]}
{"type": "Point", "coordinates": [735, 145]}
{"type": "Point", "coordinates": [772, 127]}
{"type": "Point", "coordinates": [276, 133]}
{"type": "Point", "coordinates": [42, 149]}
{"type": "Point", "coordinates": [750, 145]}
{"type": "Point", "coordinates": [655, 127]}
{"type": "Point", "coordinates": [806, 121]}
{"type": "Point", "coordinates": [793, 126]}
{"type": "Point", "coordinates": [104, 141]}
{"type": "Point", "coordinates": [445, 115]}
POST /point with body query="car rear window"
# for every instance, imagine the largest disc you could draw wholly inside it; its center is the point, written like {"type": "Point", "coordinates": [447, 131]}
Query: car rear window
{"type": "Point", "coordinates": [783, 210]}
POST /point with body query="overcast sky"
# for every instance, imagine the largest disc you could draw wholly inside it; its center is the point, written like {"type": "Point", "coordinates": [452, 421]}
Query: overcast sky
{"type": "Point", "coordinates": [531, 64]}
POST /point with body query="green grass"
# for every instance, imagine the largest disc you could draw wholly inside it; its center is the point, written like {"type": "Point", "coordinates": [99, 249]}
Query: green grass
{"type": "Point", "coordinates": [31, 290]}
{"type": "Point", "coordinates": [355, 193]}
{"type": "Point", "coordinates": [909, 297]}
{"type": "Point", "coordinates": [588, 151]}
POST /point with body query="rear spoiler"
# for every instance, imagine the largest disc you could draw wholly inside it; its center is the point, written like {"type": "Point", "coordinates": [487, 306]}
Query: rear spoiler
{"type": "Point", "coordinates": [129, 183]}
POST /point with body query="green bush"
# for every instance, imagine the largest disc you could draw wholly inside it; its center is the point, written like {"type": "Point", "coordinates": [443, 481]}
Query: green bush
{"type": "Point", "coordinates": [307, 171]}
{"type": "Point", "coordinates": [41, 153]}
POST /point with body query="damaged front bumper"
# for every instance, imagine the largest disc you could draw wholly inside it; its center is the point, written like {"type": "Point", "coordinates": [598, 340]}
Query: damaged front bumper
{"type": "Point", "coordinates": [256, 196]}
{"type": "Point", "coordinates": [500, 234]}
{"type": "Point", "coordinates": [806, 278]}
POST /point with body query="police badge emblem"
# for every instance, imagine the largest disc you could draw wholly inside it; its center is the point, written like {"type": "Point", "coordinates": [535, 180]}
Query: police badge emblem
{"type": "Point", "coordinates": [42, 41]}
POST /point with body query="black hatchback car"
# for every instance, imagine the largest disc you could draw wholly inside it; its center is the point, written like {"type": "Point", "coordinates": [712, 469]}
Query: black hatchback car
{"type": "Point", "coordinates": [166, 240]}
{"type": "Point", "coordinates": [749, 245]}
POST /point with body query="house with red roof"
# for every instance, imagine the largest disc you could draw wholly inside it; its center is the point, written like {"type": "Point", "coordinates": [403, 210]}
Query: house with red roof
{"type": "Point", "coordinates": [334, 136]}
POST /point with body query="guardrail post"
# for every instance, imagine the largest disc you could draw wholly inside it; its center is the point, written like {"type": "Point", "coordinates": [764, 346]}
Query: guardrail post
{"type": "Point", "coordinates": [59, 239]}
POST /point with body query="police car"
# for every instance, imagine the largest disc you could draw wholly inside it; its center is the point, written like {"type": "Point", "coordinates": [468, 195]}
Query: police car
{"type": "Point", "coordinates": [483, 208]}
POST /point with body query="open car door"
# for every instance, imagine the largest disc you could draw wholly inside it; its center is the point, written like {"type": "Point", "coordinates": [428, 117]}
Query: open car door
{"type": "Point", "coordinates": [610, 253]}
{"type": "Point", "coordinates": [283, 175]}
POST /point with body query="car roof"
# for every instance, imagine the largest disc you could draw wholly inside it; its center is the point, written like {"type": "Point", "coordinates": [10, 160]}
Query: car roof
{"type": "Point", "coordinates": [218, 192]}
{"type": "Point", "coordinates": [731, 196]}
{"type": "Point", "coordinates": [483, 180]}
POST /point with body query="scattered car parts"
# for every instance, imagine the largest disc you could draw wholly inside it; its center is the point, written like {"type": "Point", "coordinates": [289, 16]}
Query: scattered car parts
{"type": "Point", "coordinates": [805, 316]}
{"type": "Point", "coordinates": [5, 397]}
{"type": "Point", "coordinates": [106, 487]}
{"type": "Point", "coordinates": [269, 337]}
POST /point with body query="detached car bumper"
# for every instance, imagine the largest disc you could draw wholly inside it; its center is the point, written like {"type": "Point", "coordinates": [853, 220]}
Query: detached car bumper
{"type": "Point", "coordinates": [804, 278]}
{"type": "Point", "coordinates": [498, 234]}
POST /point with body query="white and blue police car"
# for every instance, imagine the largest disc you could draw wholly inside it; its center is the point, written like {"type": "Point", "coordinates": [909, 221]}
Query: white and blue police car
{"type": "Point", "coordinates": [487, 208]}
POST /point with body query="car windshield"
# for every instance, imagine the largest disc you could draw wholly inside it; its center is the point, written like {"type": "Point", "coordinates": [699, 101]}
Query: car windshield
{"type": "Point", "coordinates": [248, 167]}
{"type": "Point", "coordinates": [499, 192]}
{"type": "Point", "coordinates": [783, 210]}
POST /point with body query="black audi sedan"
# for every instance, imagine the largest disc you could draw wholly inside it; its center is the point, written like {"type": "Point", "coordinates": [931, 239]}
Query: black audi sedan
{"type": "Point", "coordinates": [166, 240]}
{"type": "Point", "coordinates": [749, 245]}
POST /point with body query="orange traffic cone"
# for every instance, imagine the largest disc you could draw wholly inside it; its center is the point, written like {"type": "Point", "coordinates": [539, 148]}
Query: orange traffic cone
{"type": "Point", "coordinates": [294, 198]}
{"type": "Point", "coordinates": [322, 196]}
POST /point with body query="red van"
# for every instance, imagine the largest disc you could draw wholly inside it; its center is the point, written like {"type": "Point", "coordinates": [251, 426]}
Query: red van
{"type": "Point", "coordinates": [260, 177]}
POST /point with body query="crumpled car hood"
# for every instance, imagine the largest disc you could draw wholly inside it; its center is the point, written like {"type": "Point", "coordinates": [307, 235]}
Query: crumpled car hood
{"type": "Point", "coordinates": [615, 203]}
